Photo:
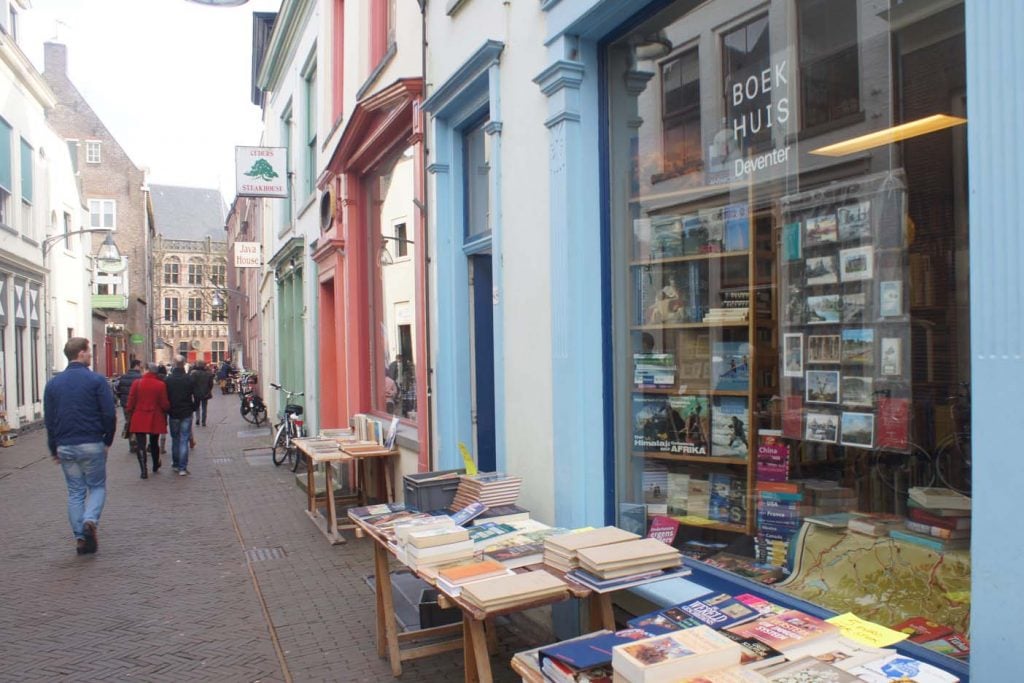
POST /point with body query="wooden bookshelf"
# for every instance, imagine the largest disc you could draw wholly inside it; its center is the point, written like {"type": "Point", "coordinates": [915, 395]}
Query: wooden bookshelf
{"type": "Point", "coordinates": [690, 326]}
{"type": "Point", "coordinates": [688, 257]}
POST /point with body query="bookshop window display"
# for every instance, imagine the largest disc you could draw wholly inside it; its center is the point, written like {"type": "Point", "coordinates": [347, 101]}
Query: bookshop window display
{"type": "Point", "coordinates": [788, 217]}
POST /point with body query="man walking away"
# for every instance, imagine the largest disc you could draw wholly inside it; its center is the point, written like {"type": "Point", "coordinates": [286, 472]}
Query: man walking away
{"type": "Point", "coordinates": [147, 403]}
{"type": "Point", "coordinates": [81, 420]}
{"type": "Point", "coordinates": [204, 389]}
{"type": "Point", "coordinates": [124, 386]}
{"type": "Point", "coordinates": [181, 393]}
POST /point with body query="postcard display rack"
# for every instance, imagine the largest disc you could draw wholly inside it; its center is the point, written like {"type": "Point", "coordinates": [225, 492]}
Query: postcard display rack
{"type": "Point", "coordinates": [845, 323]}
{"type": "Point", "coordinates": [704, 359]}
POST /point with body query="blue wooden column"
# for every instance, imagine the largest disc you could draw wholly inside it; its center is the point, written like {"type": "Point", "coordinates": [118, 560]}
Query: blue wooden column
{"type": "Point", "coordinates": [995, 149]}
{"type": "Point", "coordinates": [576, 303]}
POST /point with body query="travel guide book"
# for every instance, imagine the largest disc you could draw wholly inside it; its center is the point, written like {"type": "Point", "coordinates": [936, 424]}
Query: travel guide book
{"type": "Point", "coordinates": [719, 611]}
{"type": "Point", "coordinates": [730, 366]}
{"type": "Point", "coordinates": [786, 630]}
{"type": "Point", "coordinates": [730, 427]}
{"type": "Point", "coordinates": [671, 424]}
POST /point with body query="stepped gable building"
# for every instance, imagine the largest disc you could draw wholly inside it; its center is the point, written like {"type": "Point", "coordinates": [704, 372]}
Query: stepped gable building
{"type": "Point", "coordinates": [190, 264]}
{"type": "Point", "coordinates": [115, 194]}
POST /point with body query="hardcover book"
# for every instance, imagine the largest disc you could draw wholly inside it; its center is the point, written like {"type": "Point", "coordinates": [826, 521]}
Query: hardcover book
{"type": "Point", "coordinates": [730, 366]}
{"type": "Point", "coordinates": [670, 424]}
{"type": "Point", "coordinates": [591, 651]}
{"type": "Point", "coordinates": [730, 425]}
{"type": "Point", "coordinates": [675, 656]}
{"type": "Point", "coordinates": [468, 513]}
{"type": "Point", "coordinates": [921, 630]}
{"type": "Point", "coordinates": [937, 544]}
{"type": "Point", "coordinates": [892, 423]}
{"type": "Point", "coordinates": [654, 369]}
{"type": "Point", "coordinates": [737, 227]}
{"type": "Point", "coordinates": [787, 630]}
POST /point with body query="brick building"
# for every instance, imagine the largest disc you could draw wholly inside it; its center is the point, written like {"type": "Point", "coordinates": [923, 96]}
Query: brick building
{"type": "Point", "coordinates": [190, 263]}
{"type": "Point", "coordinates": [244, 225]}
{"type": "Point", "coordinates": [115, 193]}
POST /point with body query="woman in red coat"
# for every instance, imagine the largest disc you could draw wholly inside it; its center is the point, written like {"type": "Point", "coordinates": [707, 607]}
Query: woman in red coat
{"type": "Point", "coordinates": [148, 406]}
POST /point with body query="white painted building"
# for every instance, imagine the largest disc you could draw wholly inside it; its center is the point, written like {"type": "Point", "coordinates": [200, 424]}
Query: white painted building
{"type": "Point", "coordinates": [44, 285]}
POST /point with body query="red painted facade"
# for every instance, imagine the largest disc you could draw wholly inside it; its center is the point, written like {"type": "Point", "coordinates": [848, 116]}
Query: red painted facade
{"type": "Point", "coordinates": [380, 126]}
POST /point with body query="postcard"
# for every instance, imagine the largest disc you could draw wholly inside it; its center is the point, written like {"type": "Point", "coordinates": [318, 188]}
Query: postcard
{"type": "Point", "coordinates": [890, 298]}
{"type": "Point", "coordinates": [854, 221]}
{"type": "Point", "coordinates": [821, 230]}
{"type": "Point", "coordinates": [891, 354]}
{"type": "Point", "coordinates": [821, 270]}
{"type": "Point", "coordinates": [823, 309]}
{"type": "Point", "coordinates": [823, 348]}
{"type": "Point", "coordinates": [822, 386]}
{"type": "Point", "coordinates": [822, 427]}
{"type": "Point", "coordinates": [859, 346]}
{"type": "Point", "coordinates": [793, 354]}
{"type": "Point", "coordinates": [853, 307]}
{"type": "Point", "coordinates": [857, 391]}
{"type": "Point", "coordinates": [858, 429]}
{"type": "Point", "coordinates": [856, 264]}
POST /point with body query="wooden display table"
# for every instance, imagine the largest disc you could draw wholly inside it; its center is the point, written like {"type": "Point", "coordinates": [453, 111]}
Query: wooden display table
{"type": "Point", "coordinates": [326, 452]}
{"type": "Point", "coordinates": [477, 628]}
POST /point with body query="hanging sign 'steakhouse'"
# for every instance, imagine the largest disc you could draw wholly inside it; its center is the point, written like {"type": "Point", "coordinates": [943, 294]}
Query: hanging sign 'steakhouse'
{"type": "Point", "coordinates": [261, 171]}
{"type": "Point", "coordinates": [247, 255]}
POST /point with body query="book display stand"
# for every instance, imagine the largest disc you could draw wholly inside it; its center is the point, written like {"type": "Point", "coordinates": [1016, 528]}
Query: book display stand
{"type": "Point", "coordinates": [704, 357]}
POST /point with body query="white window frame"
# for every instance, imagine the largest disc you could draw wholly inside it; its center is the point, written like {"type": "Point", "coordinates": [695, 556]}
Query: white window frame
{"type": "Point", "coordinates": [115, 281]}
{"type": "Point", "coordinates": [96, 213]}
{"type": "Point", "coordinates": [93, 151]}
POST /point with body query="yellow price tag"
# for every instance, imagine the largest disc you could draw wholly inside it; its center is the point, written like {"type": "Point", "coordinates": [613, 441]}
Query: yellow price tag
{"type": "Point", "coordinates": [468, 459]}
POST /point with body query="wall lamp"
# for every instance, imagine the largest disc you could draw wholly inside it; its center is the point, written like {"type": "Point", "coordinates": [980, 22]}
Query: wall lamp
{"type": "Point", "coordinates": [385, 256]}
{"type": "Point", "coordinates": [107, 252]}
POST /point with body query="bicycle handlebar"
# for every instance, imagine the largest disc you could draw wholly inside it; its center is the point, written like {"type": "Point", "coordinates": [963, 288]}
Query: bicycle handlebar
{"type": "Point", "coordinates": [290, 393]}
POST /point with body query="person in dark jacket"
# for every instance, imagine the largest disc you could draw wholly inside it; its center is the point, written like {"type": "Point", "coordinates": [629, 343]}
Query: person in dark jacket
{"type": "Point", "coordinates": [124, 385]}
{"type": "Point", "coordinates": [181, 393]}
{"type": "Point", "coordinates": [81, 420]}
{"type": "Point", "coordinates": [148, 405]}
{"type": "Point", "coordinates": [204, 389]}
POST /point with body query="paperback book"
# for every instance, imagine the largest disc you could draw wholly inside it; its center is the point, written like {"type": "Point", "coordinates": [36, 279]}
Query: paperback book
{"type": "Point", "coordinates": [730, 366]}
{"type": "Point", "coordinates": [730, 426]}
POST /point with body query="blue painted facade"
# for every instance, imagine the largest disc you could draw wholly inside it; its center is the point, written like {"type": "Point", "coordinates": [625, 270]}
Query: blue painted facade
{"type": "Point", "coordinates": [472, 92]}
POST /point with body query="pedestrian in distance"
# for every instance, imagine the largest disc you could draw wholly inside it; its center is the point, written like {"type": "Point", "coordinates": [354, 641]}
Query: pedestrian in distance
{"type": "Point", "coordinates": [203, 379]}
{"type": "Point", "coordinates": [161, 371]}
{"type": "Point", "coordinates": [81, 420]}
{"type": "Point", "coordinates": [124, 385]}
{"type": "Point", "coordinates": [181, 393]}
{"type": "Point", "coordinates": [148, 405]}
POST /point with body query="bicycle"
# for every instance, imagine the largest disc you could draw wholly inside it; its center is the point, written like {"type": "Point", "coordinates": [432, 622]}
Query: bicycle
{"type": "Point", "coordinates": [290, 427]}
{"type": "Point", "coordinates": [251, 405]}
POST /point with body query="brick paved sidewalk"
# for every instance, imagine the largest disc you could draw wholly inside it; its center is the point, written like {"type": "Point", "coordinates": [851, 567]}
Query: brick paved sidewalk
{"type": "Point", "coordinates": [171, 596]}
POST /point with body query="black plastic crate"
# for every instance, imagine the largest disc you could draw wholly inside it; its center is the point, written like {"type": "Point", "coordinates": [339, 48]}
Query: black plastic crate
{"type": "Point", "coordinates": [431, 614]}
{"type": "Point", "coordinates": [427, 496]}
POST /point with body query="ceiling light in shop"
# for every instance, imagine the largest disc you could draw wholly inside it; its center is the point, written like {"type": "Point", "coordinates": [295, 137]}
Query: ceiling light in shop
{"type": "Point", "coordinates": [928, 124]}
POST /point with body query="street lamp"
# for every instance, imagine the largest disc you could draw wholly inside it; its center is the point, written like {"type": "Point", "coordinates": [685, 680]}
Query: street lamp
{"type": "Point", "coordinates": [385, 256]}
{"type": "Point", "coordinates": [107, 252]}
{"type": "Point", "coordinates": [218, 300]}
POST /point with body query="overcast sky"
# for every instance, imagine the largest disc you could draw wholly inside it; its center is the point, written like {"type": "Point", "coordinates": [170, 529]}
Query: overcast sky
{"type": "Point", "coordinates": [170, 79]}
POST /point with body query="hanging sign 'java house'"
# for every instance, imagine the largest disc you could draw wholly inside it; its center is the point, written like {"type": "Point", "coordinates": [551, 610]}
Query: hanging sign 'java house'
{"type": "Point", "coordinates": [261, 171]}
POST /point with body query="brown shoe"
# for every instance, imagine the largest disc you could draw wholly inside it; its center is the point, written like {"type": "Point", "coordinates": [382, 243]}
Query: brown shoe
{"type": "Point", "coordinates": [89, 530]}
{"type": "Point", "coordinates": [80, 546]}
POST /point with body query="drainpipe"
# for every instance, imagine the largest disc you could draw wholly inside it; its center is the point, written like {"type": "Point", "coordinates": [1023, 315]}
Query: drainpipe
{"type": "Point", "coordinates": [426, 231]}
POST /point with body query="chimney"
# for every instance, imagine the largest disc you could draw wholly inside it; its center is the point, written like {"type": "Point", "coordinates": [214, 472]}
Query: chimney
{"type": "Point", "coordinates": [55, 59]}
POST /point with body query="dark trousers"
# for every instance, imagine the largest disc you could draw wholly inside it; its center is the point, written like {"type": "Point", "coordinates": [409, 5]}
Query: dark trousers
{"type": "Point", "coordinates": [201, 411]}
{"type": "Point", "coordinates": [153, 447]}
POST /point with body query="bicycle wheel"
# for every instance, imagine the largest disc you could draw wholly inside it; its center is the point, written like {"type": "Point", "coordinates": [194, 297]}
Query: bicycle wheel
{"type": "Point", "coordinates": [247, 414]}
{"type": "Point", "coordinates": [259, 414]}
{"type": "Point", "coordinates": [281, 445]}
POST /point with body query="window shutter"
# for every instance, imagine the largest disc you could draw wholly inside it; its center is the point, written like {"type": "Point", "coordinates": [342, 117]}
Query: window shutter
{"type": "Point", "coordinates": [26, 171]}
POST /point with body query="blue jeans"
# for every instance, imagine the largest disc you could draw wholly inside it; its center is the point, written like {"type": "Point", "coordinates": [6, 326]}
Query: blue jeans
{"type": "Point", "coordinates": [181, 432]}
{"type": "Point", "coordinates": [201, 410]}
{"type": "Point", "coordinates": [85, 472]}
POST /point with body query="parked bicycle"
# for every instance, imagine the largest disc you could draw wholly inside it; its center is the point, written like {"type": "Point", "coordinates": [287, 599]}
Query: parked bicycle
{"type": "Point", "coordinates": [290, 427]}
{"type": "Point", "coordinates": [251, 404]}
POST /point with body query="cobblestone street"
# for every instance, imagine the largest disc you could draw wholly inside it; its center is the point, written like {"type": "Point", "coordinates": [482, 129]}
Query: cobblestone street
{"type": "Point", "coordinates": [171, 595]}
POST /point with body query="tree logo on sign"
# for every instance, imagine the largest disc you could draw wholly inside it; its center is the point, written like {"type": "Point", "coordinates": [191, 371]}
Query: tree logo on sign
{"type": "Point", "coordinates": [263, 170]}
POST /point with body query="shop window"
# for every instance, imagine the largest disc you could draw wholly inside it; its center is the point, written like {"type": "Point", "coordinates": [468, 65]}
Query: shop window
{"type": "Point", "coordinates": [680, 112]}
{"type": "Point", "coordinates": [286, 142]}
{"type": "Point", "coordinates": [172, 274]}
{"type": "Point", "coordinates": [745, 57]}
{"type": "Point", "coordinates": [829, 74]}
{"type": "Point", "coordinates": [92, 152]}
{"type": "Point", "coordinates": [170, 309]}
{"type": "Point", "coordinates": [476, 179]}
{"type": "Point", "coordinates": [102, 213]}
{"type": "Point", "coordinates": [394, 295]}
{"type": "Point", "coordinates": [195, 309]}
{"type": "Point", "coordinates": [791, 330]}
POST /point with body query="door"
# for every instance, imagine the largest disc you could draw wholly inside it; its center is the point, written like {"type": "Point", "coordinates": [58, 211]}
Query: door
{"type": "Point", "coordinates": [483, 360]}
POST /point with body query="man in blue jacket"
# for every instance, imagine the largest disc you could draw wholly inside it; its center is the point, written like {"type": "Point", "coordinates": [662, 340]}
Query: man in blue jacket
{"type": "Point", "coordinates": [81, 420]}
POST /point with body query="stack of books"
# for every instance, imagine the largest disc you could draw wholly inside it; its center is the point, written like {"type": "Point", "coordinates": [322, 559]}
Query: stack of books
{"type": "Point", "coordinates": [940, 519]}
{"type": "Point", "coordinates": [778, 520]}
{"type": "Point", "coordinates": [628, 558]}
{"type": "Point", "coordinates": [452, 579]}
{"type": "Point", "coordinates": [560, 552]}
{"type": "Point", "coordinates": [436, 547]}
{"type": "Point", "coordinates": [675, 656]}
{"type": "Point", "coordinates": [726, 315]}
{"type": "Point", "coordinates": [826, 497]}
{"type": "Point", "coordinates": [493, 489]}
{"type": "Point", "coordinates": [878, 524]}
{"type": "Point", "coordinates": [524, 546]}
{"type": "Point", "coordinates": [514, 590]}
